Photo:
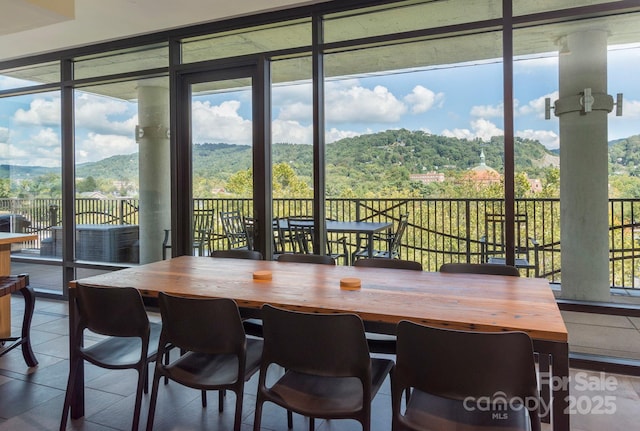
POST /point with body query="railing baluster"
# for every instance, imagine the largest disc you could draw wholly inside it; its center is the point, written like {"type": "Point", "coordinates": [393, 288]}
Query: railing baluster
{"type": "Point", "coordinates": [441, 230]}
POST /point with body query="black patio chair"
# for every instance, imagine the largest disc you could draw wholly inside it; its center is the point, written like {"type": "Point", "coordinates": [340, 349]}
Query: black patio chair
{"type": "Point", "coordinates": [391, 241]}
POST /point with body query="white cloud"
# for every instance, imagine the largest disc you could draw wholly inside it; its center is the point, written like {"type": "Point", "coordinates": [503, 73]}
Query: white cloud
{"type": "Point", "coordinates": [14, 155]}
{"type": "Point", "coordinates": [7, 82]}
{"type": "Point", "coordinates": [294, 101]}
{"type": "Point", "coordinates": [346, 103]}
{"type": "Point", "coordinates": [97, 115]}
{"type": "Point", "coordinates": [46, 138]}
{"type": "Point", "coordinates": [333, 134]}
{"type": "Point", "coordinates": [291, 132]}
{"type": "Point", "coordinates": [536, 106]}
{"type": "Point", "coordinates": [547, 138]}
{"type": "Point", "coordinates": [422, 99]}
{"type": "Point", "coordinates": [480, 129]}
{"type": "Point", "coordinates": [630, 109]}
{"type": "Point", "coordinates": [296, 111]}
{"type": "Point", "coordinates": [488, 111]}
{"type": "Point", "coordinates": [220, 123]}
{"type": "Point", "coordinates": [294, 132]}
{"type": "Point", "coordinates": [39, 149]}
{"type": "Point", "coordinates": [97, 147]}
{"type": "Point", "coordinates": [41, 112]}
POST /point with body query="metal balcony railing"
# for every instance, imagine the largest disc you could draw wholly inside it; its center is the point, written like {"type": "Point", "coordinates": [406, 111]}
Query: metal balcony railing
{"type": "Point", "coordinates": [439, 230]}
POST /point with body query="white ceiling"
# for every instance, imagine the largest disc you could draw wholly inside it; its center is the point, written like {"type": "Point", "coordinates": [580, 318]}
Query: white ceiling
{"type": "Point", "coordinates": [29, 27]}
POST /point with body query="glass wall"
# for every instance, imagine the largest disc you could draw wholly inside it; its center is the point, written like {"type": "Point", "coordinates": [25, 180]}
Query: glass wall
{"type": "Point", "coordinates": [292, 148]}
{"type": "Point", "coordinates": [30, 180]}
{"type": "Point", "coordinates": [122, 196]}
{"type": "Point", "coordinates": [222, 160]}
{"type": "Point", "coordinates": [411, 125]}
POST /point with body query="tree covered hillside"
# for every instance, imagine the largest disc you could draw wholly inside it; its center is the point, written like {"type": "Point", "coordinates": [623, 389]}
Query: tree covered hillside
{"type": "Point", "coordinates": [376, 164]}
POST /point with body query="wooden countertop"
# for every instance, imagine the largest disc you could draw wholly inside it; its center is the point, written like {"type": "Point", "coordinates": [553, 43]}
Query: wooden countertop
{"type": "Point", "coordinates": [460, 301]}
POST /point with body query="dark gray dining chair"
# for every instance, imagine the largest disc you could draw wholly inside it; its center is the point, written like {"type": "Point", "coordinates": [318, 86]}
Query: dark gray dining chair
{"type": "Point", "coordinates": [463, 380]}
{"type": "Point", "coordinates": [385, 343]}
{"type": "Point", "coordinates": [238, 254]}
{"type": "Point", "coordinates": [131, 343]}
{"type": "Point", "coordinates": [307, 258]}
{"type": "Point", "coordinates": [215, 353]}
{"type": "Point", "coordinates": [480, 268]}
{"type": "Point", "coordinates": [328, 372]}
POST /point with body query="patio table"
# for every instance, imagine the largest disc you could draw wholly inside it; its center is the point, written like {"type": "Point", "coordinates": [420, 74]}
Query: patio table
{"type": "Point", "coordinates": [458, 301]}
{"type": "Point", "coordinates": [367, 228]}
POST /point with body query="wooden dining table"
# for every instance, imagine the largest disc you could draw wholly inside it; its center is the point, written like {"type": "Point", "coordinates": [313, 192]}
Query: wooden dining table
{"type": "Point", "coordinates": [6, 241]}
{"type": "Point", "coordinates": [386, 297]}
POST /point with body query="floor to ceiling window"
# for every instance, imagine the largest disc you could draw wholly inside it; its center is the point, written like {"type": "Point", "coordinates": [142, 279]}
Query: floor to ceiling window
{"type": "Point", "coordinates": [122, 199]}
{"type": "Point", "coordinates": [31, 168]}
{"type": "Point", "coordinates": [586, 149]}
{"type": "Point", "coordinates": [292, 146]}
{"type": "Point", "coordinates": [412, 119]}
{"type": "Point", "coordinates": [416, 127]}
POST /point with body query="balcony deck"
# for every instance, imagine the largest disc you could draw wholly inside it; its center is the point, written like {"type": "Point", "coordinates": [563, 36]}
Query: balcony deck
{"type": "Point", "coordinates": [32, 398]}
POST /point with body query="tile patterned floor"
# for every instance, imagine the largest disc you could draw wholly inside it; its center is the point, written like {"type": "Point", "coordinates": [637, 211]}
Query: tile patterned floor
{"type": "Point", "coordinates": [31, 399]}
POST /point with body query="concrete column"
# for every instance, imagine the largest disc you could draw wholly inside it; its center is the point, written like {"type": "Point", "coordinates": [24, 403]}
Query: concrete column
{"type": "Point", "coordinates": [154, 167]}
{"type": "Point", "coordinates": [583, 167]}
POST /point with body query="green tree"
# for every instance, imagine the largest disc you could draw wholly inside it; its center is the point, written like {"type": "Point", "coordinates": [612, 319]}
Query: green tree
{"type": "Point", "coordinates": [88, 184]}
{"type": "Point", "coordinates": [521, 185]}
{"type": "Point", "coordinates": [241, 183]}
{"type": "Point", "coordinates": [287, 184]}
{"type": "Point", "coordinates": [551, 184]}
{"type": "Point", "coordinates": [5, 188]}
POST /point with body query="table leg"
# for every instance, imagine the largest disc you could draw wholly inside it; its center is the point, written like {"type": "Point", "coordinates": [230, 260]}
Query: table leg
{"type": "Point", "coordinates": [370, 244]}
{"type": "Point", "coordinates": [5, 301]}
{"type": "Point", "coordinates": [559, 381]}
{"type": "Point", "coordinates": [560, 367]}
{"type": "Point", "coordinates": [29, 306]}
{"type": "Point", "coordinates": [77, 400]}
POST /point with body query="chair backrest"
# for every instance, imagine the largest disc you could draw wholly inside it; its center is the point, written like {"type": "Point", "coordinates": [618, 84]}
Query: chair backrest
{"type": "Point", "coordinates": [205, 325]}
{"type": "Point", "coordinates": [307, 258]}
{"type": "Point", "coordinates": [388, 263]}
{"type": "Point", "coordinates": [461, 364]}
{"type": "Point", "coordinates": [203, 221]}
{"type": "Point", "coordinates": [300, 230]}
{"type": "Point", "coordinates": [238, 254]}
{"type": "Point", "coordinates": [112, 311]}
{"type": "Point", "coordinates": [280, 238]}
{"type": "Point", "coordinates": [234, 229]}
{"type": "Point", "coordinates": [494, 235]}
{"type": "Point", "coordinates": [396, 239]}
{"type": "Point", "coordinates": [480, 268]}
{"type": "Point", "coordinates": [318, 344]}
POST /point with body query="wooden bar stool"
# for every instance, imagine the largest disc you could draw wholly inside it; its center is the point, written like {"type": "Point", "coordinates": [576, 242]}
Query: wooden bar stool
{"type": "Point", "coordinates": [8, 285]}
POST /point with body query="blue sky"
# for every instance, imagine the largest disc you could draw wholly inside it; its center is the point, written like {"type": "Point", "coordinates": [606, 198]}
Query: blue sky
{"type": "Point", "coordinates": [464, 101]}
